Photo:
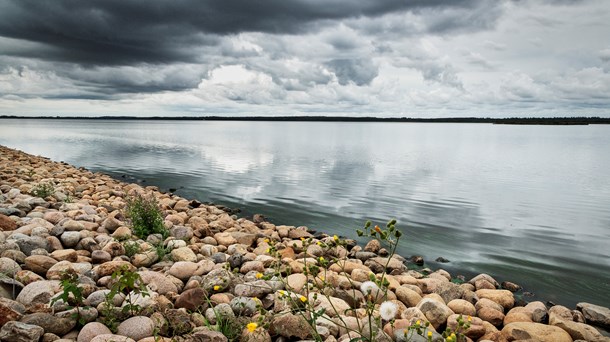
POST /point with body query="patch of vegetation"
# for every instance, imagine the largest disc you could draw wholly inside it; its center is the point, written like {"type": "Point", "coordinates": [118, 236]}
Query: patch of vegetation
{"type": "Point", "coordinates": [71, 294]}
{"type": "Point", "coordinates": [43, 190]}
{"type": "Point", "coordinates": [145, 216]}
{"type": "Point", "coordinates": [126, 282]}
{"type": "Point", "coordinates": [131, 248]}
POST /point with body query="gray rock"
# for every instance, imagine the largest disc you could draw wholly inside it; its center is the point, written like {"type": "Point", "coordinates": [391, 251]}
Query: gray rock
{"type": "Point", "coordinates": [137, 327]}
{"type": "Point", "coordinates": [50, 323]}
{"type": "Point", "coordinates": [258, 288]}
{"type": "Point", "coordinates": [158, 282]}
{"type": "Point", "coordinates": [217, 277]}
{"type": "Point", "coordinates": [449, 291]}
{"type": "Point", "coordinates": [219, 258]}
{"type": "Point", "coordinates": [245, 306]}
{"type": "Point", "coordinates": [20, 332]}
{"type": "Point", "coordinates": [70, 238]}
{"type": "Point", "coordinates": [209, 336]}
{"type": "Point", "coordinates": [595, 314]}
{"type": "Point", "coordinates": [38, 292]}
{"type": "Point", "coordinates": [222, 311]}
{"type": "Point", "coordinates": [9, 267]}
{"type": "Point", "coordinates": [30, 243]}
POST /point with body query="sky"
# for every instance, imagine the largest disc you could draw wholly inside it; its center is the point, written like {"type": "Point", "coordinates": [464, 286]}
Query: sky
{"type": "Point", "coordinates": [386, 58]}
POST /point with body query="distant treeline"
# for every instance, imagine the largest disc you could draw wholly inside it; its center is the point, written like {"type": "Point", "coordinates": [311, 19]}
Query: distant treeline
{"type": "Point", "coordinates": [506, 121]}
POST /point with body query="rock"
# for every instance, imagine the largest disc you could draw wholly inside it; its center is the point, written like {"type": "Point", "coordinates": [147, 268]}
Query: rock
{"type": "Point", "coordinates": [20, 332]}
{"type": "Point", "coordinates": [110, 224]}
{"type": "Point", "coordinates": [65, 255]}
{"type": "Point", "coordinates": [26, 277]}
{"type": "Point", "coordinates": [110, 267]}
{"type": "Point", "coordinates": [225, 239]}
{"type": "Point", "coordinates": [183, 254]}
{"type": "Point", "coordinates": [291, 326]}
{"type": "Point", "coordinates": [50, 323]}
{"type": "Point", "coordinates": [518, 314]}
{"type": "Point", "coordinates": [158, 282]}
{"type": "Point", "coordinates": [373, 246]}
{"type": "Point", "coordinates": [408, 296]}
{"type": "Point", "coordinates": [137, 327]}
{"type": "Point", "coordinates": [100, 257]}
{"type": "Point", "coordinates": [562, 317]}
{"type": "Point", "coordinates": [436, 312]}
{"type": "Point", "coordinates": [90, 330]}
{"type": "Point", "coordinates": [122, 233]}
{"type": "Point", "coordinates": [485, 277]}
{"type": "Point", "coordinates": [10, 310]}
{"type": "Point", "coordinates": [70, 238]}
{"type": "Point", "coordinates": [218, 277]}
{"type": "Point", "coordinates": [183, 270]}
{"type": "Point", "coordinates": [53, 216]}
{"type": "Point", "coordinates": [114, 248]}
{"type": "Point", "coordinates": [39, 292]}
{"type": "Point", "coordinates": [191, 299]}
{"type": "Point", "coordinates": [179, 321]}
{"type": "Point", "coordinates": [332, 306]}
{"type": "Point", "coordinates": [253, 265]}
{"type": "Point", "coordinates": [243, 238]}
{"type": "Point", "coordinates": [111, 338]}
{"type": "Point", "coordinates": [259, 288]}
{"type": "Point", "coordinates": [449, 291]}
{"type": "Point", "coordinates": [29, 243]}
{"type": "Point", "coordinates": [145, 259]}
{"type": "Point", "coordinates": [211, 336]}
{"type": "Point", "coordinates": [463, 307]}
{"type": "Point", "coordinates": [595, 314]}
{"type": "Point", "coordinates": [6, 223]}
{"type": "Point", "coordinates": [502, 297]}
{"type": "Point", "coordinates": [244, 306]}
{"type": "Point", "coordinates": [534, 332]}
{"type": "Point", "coordinates": [39, 264]}
{"type": "Point", "coordinates": [296, 282]}
{"type": "Point", "coordinates": [391, 265]}
{"type": "Point", "coordinates": [476, 329]}
{"type": "Point", "coordinates": [491, 315]}
{"type": "Point", "coordinates": [73, 226]}
{"type": "Point", "coordinates": [9, 267]}
{"type": "Point", "coordinates": [512, 287]}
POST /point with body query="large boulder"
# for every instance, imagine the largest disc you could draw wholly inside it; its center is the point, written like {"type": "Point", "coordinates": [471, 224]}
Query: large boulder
{"type": "Point", "coordinates": [534, 332]}
{"type": "Point", "coordinates": [595, 314]}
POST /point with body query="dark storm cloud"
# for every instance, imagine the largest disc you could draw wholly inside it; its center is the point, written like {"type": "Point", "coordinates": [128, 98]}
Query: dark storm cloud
{"type": "Point", "coordinates": [359, 71]}
{"type": "Point", "coordinates": [123, 32]}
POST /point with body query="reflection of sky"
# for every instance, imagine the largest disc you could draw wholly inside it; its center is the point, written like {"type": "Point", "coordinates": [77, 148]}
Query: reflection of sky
{"type": "Point", "coordinates": [475, 193]}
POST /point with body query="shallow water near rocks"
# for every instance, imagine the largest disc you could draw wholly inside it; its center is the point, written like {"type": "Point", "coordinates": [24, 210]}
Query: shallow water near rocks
{"type": "Point", "coordinates": [528, 204]}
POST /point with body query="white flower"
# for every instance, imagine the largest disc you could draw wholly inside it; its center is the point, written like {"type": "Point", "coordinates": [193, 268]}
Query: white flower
{"type": "Point", "coordinates": [369, 287]}
{"type": "Point", "coordinates": [387, 310]}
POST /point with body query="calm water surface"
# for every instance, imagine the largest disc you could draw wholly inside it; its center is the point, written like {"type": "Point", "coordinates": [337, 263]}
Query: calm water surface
{"type": "Point", "coordinates": [529, 204]}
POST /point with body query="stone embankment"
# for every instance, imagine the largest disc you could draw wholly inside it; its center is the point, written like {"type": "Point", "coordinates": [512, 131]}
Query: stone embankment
{"type": "Point", "coordinates": [213, 275]}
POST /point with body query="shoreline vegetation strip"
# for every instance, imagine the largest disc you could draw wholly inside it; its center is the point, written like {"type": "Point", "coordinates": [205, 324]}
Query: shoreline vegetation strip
{"type": "Point", "coordinates": [77, 262]}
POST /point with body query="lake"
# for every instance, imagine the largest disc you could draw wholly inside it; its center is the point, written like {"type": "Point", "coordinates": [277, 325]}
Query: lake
{"type": "Point", "coordinates": [528, 204]}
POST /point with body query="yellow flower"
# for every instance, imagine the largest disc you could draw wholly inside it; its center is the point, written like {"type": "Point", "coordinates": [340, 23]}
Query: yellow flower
{"type": "Point", "coordinates": [268, 250]}
{"type": "Point", "coordinates": [469, 318]}
{"type": "Point", "coordinates": [252, 326]}
{"type": "Point", "coordinates": [282, 293]}
{"type": "Point", "coordinates": [216, 287]}
{"type": "Point", "coordinates": [429, 333]}
{"type": "Point", "coordinates": [418, 322]}
{"type": "Point", "coordinates": [303, 299]}
{"type": "Point", "coordinates": [319, 243]}
{"type": "Point", "coordinates": [266, 240]}
{"type": "Point", "coordinates": [321, 259]}
{"type": "Point", "coordinates": [259, 275]}
{"type": "Point", "coordinates": [335, 237]}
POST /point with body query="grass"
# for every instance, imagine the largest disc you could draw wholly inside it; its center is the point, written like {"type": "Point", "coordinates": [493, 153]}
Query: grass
{"type": "Point", "coordinates": [145, 216]}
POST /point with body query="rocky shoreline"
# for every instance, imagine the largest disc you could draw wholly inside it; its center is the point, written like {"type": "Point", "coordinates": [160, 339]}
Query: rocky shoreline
{"type": "Point", "coordinates": [215, 267]}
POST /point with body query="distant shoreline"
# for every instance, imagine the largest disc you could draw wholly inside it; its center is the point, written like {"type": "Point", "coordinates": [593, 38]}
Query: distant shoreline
{"type": "Point", "coordinates": [497, 121]}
